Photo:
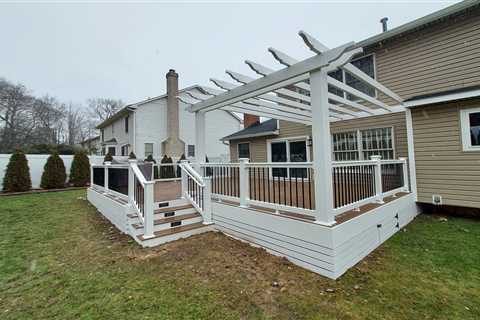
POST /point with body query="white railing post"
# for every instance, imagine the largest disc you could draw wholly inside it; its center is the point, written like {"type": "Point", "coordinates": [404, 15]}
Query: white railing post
{"type": "Point", "coordinates": [406, 183]}
{"type": "Point", "coordinates": [207, 201]}
{"type": "Point", "coordinates": [91, 175]}
{"type": "Point", "coordinates": [184, 177]}
{"type": "Point", "coordinates": [107, 164]}
{"type": "Point", "coordinates": [243, 177]}
{"type": "Point", "coordinates": [148, 222]}
{"type": "Point", "coordinates": [131, 180]}
{"type": "Point", "coordinates": [378, 178]}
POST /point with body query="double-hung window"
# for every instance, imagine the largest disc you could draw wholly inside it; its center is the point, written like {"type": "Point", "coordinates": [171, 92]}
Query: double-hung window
{"type": "Point", "coordinates": [148, 149]}
{"type": "Point", "coordinates": [470, 123]}
{"type": "Point", "coordinates": [191, 150]}
{"type": "Point", "coordinates": [362, 144]}
{"type": "Point", "coordinates": [367, 65]}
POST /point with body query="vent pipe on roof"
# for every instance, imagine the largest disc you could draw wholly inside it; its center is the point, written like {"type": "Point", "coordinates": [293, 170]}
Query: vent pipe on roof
{"type": "Point", "coordinates": [384, 23]}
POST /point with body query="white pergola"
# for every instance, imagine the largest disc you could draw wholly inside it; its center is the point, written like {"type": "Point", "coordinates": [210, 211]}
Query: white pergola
{"type": "Point", "coordinates": [298, 93]}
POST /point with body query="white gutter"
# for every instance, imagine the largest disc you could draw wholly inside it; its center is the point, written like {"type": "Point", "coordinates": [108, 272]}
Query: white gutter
{"type": "Point", "coordinates": [443, 98]}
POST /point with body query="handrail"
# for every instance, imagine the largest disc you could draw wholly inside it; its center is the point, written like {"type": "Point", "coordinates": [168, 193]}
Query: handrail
{"type": "Point", "coordinates": [193, 174]}
{"type": "Point", "coordinates": [139, 175]}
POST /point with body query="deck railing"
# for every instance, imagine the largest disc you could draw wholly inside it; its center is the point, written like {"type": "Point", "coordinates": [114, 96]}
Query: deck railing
{"type": "Point", "coordinates": [197, 190]}
{"type": "Point", "coordinates": [278, 186]}
{"type": "Point", "coordinates": [111, 178]}
{"type": "Point", "coordinates": [356, 183]}
{"type": "Point", "coordinates": [141, 196]}
{"type": "Point", "coordinates": [290, 186]}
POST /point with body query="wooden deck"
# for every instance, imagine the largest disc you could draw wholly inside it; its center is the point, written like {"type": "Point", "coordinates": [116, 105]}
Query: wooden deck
{"type": "Point", "coordinates": [167, 190]}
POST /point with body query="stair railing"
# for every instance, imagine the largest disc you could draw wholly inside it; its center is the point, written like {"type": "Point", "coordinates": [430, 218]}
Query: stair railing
{"type": "Point", "coordinates": [197, 190]}
{"type": "Point", "coordinates": [141, 197]}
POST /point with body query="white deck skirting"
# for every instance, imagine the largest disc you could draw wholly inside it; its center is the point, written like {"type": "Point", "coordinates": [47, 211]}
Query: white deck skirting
{"type": "Point", "coordinates": [329, 251]}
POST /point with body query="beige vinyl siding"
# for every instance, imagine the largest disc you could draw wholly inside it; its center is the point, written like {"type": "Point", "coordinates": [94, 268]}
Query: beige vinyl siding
{"type": "Point", "coordinates": [258, 149]}
{"type": "Point", "coordinates": [442, 166]}
{"type": "Point", "coordinates": [258, 146]}
{"type": "Point", "coordinates": [441, 57]}
{"type": "Point", "coordinates": [395, 120]}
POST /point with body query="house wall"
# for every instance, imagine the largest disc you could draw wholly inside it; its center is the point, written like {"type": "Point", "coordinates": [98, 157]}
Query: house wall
{"type": "Point", "coordinates": [152, 128]}
{"type": "Point", "coordinates": [117, 130]}
{"type": "Point", "coordinates": [442, 167]}
{"type": "Point", "coordinates": [258, 149]}
{"type": "Point", "coordinates": [443, 56]}
{"type": "Point", "coordinates": [258, 146]}
{"type": "Point", "coordinates": [219, 123]}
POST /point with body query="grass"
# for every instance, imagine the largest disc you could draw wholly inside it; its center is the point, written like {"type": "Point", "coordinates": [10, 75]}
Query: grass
{"type": "Point", "coordinates": [59, 259]}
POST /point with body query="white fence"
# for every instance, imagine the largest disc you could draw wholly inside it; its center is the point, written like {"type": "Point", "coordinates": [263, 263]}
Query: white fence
{"type": "Point", "coordinates": [36, 162]}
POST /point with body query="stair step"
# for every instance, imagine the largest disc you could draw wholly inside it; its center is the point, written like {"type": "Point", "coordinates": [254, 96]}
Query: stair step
{"type": "Point", "coordinates": [169, 219]}
{"type": "Point", "coordinates": [175, 230]}
{"type": "Point", "coordinates": [180, 210]}
{"type": "Point", "coordinates": [171, 209]}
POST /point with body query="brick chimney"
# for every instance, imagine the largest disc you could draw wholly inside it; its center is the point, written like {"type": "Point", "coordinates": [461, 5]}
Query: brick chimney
{"type": "Point", "coordinates": [249, 120]}
{"type": "Point", "coordinates": [173, 146]}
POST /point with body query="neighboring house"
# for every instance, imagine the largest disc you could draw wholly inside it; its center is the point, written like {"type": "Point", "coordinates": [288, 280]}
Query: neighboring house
{"type": "Point", "coordinates": [162, 126]}
{"type": "Point", "coordinates": [92, 145]}
{"type": "Point", "coordinates": [432, 62]}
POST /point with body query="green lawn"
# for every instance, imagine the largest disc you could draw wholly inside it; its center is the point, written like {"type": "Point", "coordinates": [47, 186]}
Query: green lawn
{"type": "Point", "coordinates": [59, 259]}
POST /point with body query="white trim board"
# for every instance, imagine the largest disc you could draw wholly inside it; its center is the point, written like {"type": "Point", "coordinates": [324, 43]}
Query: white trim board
{"type": "Point", "coordinates": [443, 98]}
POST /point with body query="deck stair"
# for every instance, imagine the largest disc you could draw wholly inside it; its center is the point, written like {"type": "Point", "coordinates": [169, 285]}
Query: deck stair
{"type": "Point", "coordinates": [172, 220]}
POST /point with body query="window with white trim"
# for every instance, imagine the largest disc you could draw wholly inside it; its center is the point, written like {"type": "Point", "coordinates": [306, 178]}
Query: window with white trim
{"type": "Point", "coordinates": [362, 144]}
{"type": "Point", "coordinates": [367, 65]}
{"type": "Point", "coordinates": [148, 149]}
{"type": "Point", "coordinates": [191, 150]}
{"type": "Point", "coordinates": [345, 146]}
{"type": "Point", "coordinates": [294, 150]}
{"type": "Point", "coordinates": [244, 150]}
{"type": "Point", "coordinates": [470, 123]}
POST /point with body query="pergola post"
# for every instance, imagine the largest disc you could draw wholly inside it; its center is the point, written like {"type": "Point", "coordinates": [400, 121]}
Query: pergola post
{"type": "Point", "coordinates": [199, 139]}
{"type": "Point", "coordinates": [322, 163]}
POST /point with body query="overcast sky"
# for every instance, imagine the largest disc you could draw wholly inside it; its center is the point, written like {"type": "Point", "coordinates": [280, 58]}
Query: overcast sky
{"type": "Point", "coordinates": [123, 50]}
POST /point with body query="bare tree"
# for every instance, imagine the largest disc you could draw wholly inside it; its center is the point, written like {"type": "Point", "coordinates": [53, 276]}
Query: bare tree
{"type": "Point", "coordinates": [49, 114]}
{"type": "Point", "coordinates": [75, 125]}
{"type": "Point", "coordinates": [102, 108]}
{"type": "Point", "coordinates": [15, 114]}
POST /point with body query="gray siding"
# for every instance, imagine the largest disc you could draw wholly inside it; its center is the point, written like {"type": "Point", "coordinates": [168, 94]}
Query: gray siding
{"type": "Point", "coordinates": [442, 166]}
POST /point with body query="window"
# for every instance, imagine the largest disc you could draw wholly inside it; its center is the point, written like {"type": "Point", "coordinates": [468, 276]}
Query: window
{"type": "Point", "coordinates": [124, 150]}
{"type": "Point", "coordinates": [244, 150]}
{"type": "Point", "coordinates": [470, 122]}
{"type": "Point", "coordinates": [191, 150]}
{"type": "Point", "coordinates": [378, 141]}
{"type": "Point", "coordinates": [345, 146]}
{"type": "Point", "coordinates": [126, 124]}
{"type": "Point", "coordinates": [367, 65]}
{"type": "Point", "coordinates": [102, 133]}
{"type": "Point", "coordinates": [148, 149]}
{"type": "Point", "coordinates": [111, 150]}
{"type": "Point", "coordinates": [289, 151]}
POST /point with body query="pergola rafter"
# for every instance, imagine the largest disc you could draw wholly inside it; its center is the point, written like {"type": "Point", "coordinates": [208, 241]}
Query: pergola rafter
{"type": "Point", "coordinates": [298, 92]}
